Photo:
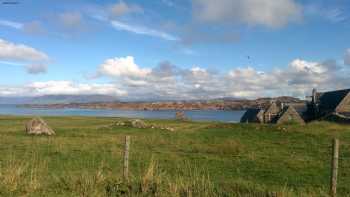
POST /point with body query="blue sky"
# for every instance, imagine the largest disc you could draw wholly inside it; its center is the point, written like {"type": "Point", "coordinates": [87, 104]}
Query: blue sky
{"type": "Point", "coordinates": [167, 49]}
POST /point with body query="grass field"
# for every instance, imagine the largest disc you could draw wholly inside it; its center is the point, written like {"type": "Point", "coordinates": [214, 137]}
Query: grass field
{"type": "Point", "coordinates": [197, 159]}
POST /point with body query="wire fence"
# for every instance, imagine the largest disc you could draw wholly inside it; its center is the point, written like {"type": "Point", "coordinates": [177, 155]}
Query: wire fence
{"type": "Point", "coordinates": [297, 166]}
{"type": "Point", "coordinates": [333, 173]}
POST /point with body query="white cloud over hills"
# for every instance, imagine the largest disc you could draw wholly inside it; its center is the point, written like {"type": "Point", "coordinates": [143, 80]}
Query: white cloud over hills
{"type": "Point", "coordinates": [61, 87]}
{"type": "Point", "coordinates": [168, 81]}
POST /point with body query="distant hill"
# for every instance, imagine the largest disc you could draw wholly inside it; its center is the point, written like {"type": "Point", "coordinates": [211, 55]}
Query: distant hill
{"type": "Point", "coordinates": [284, 99]}
{"type": "Point", "coordinates": [58, 99]}
{"type": "Point", "coordinates": [218, 104]}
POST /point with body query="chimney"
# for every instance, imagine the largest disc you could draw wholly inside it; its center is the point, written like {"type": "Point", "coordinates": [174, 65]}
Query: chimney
{"type": "Point", "coordinates": [314, 96]}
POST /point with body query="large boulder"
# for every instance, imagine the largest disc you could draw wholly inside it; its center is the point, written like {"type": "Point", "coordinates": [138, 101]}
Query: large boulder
{"type": "Point", "coordinates": [38, 126]}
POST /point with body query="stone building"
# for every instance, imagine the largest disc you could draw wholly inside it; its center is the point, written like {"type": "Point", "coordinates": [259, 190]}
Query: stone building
{"type": "Point", "coordinates": [333, 103]}
{"type": "Point", "coordinates": [275, 113]}
{"type": "Point", "coordinates": [290, 115]}
{"type": "Point", "coordinates": [272, 112]}
{"type": "Point", "coordinates": [332, 106]}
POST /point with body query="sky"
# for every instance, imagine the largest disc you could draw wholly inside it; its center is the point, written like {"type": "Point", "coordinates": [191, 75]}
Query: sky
{"type": "Point", "coordinates": [174, 49]}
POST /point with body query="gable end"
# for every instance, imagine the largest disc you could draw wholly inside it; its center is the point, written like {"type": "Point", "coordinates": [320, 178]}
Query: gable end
{"type": "Point", "coordinates": [344, 106]}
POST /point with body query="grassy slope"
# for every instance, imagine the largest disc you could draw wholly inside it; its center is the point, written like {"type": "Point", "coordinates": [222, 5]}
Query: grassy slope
{"type": "Point", "coordinates": [198, 159]}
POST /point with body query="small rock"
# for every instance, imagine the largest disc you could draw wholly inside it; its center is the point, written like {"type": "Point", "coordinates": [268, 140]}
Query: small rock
{"type": "Point", "coordinates": [137, 123]}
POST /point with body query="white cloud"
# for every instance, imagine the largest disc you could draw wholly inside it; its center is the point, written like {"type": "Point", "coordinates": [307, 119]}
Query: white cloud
{"type": "Point", "coordinates": [61, 87]}
{"type": "Point", "coordinates": [12, 63]}
{"type": "Point", "coordinates": [36, 68]}
{"type": "Point", "coordinates": [11, 91]}
{"type": "Point", "coordinates": [71, 20]}
{"type": "Point", "coordinates": [11, 24]}
{"type": "Point", "coordinates": [122, 67]}
{"type": "Point", "coordinates": [305, 66]}
{"type": "Point", "coordinates": [187, 51]}
{"type": "Point", "coordinates": [347, 57]}
{"type": "Point", "coordinates": [121, 8]}
{"type": "Point", "coordinates": [128, 24]}
{"type": "Point", "coordinates": [20, 52]}
{"type": "Point", "coordinates": [34, 60]}
{"type": "Point", "coordinates": [34, 27]}
{"type": "Point", "coordinates": [296, 80]}
{"type": "Point", "coordinates": [168, 3]}
{"type": "Point", "coordinates": [269, 13]}
{"type": "Point", "coordinates": [333, 15]}
{"type": "Point", "coordinates": [69, 87]}
{"type": "Point", "coordinates": [142, 30]}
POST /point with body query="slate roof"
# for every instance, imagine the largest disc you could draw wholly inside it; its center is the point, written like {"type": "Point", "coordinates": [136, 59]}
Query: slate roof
{"type": "Point", "coordinates": [328, 101]}
{"type": "Point", "coordinates": [251, 115]}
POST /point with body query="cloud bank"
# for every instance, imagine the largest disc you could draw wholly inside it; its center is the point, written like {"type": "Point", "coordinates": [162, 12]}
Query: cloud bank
{"type": "Point", "coordinates": [168, 81]}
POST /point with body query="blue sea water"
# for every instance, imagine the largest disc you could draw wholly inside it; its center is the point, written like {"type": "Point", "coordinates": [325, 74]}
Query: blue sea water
{"type": "Point", "coordinates": [196, 115]}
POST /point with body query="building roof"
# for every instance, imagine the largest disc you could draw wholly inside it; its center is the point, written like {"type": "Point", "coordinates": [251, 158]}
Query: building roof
{"type": "Point", "coordinates": [328, 101]}
{"type": "Point", "coordinates": [251, 115]}
{"type": "Point", "coordinates": [273, 109]}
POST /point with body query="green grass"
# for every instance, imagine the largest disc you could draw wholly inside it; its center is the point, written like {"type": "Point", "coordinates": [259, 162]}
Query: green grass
{"type": "Point", "coordinates": [197, 159]}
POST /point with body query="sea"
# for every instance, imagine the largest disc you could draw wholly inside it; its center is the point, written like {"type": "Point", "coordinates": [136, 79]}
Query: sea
{"type": "Point", "coordinates": [195, 115]}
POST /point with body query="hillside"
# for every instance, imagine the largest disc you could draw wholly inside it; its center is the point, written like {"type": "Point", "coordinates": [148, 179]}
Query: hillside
{"type": "Point", "coordinates": [217, 104]}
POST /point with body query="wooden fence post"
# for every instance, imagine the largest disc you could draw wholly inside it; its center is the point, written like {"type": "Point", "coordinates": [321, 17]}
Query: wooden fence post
{"type": "Point", "coordinates": [335, 157]}
{"type": "Point", "coordinates": [126, 159]}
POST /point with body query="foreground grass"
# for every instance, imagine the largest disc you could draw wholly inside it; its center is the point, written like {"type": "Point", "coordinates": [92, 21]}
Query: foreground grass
{"type": "Point", "coordinates": [197, 159]}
